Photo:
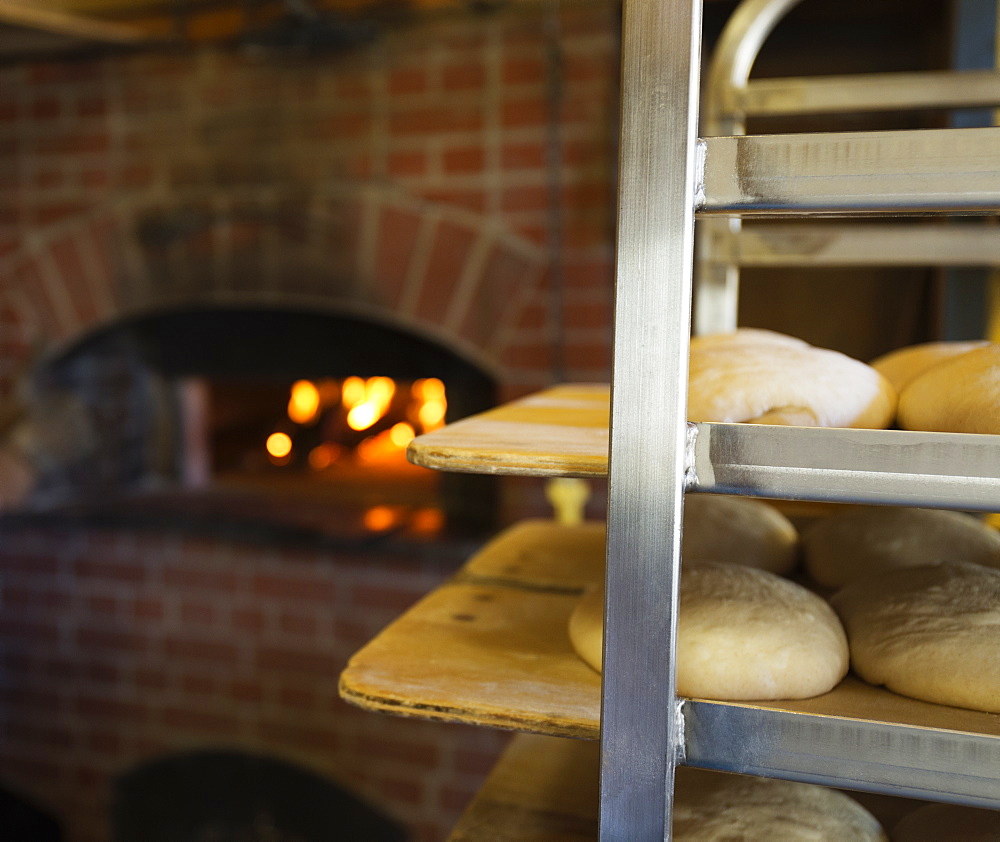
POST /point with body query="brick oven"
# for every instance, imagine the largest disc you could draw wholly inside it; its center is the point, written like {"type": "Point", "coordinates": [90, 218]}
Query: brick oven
{"type": "Point", "coordinates": [452, 183]}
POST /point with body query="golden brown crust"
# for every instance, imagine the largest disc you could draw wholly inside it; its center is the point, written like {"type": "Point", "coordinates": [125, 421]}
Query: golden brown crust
{"type": "Point", "coordinates": [961, 395]}
{"type": "Point", "coordinates": [901, 366]}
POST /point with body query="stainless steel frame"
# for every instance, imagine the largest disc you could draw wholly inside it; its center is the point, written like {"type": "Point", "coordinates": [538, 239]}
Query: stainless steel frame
{"type": "Point", "coordinates": [641, 731]}
{"type": "Point", "coordinates": [655, 455]}
{"type": "Point", "coordinates": [731, 96]}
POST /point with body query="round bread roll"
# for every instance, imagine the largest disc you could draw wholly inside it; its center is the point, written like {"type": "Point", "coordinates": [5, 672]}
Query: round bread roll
{"type": "Point", "coordinates": [870, 539]}
{"type": "Point", "coordinates": [718, 807]}
{"type": "Point", "coordinates": [745, 335]}
{"type": "Point", "coordinates": [931, 633]}
{"type": "Point", "coordinates": [899, 367]}
{"type": "Point", "coordinates": [766, 381]}
{"type": "Point", "coordinates": [935, 822]}
{"type": "Point", "coordinates": [961, 395]}
{"type": "Point", "coordinates": [738, 530]}
{"type": "Point", "coordinates": [741, 634]}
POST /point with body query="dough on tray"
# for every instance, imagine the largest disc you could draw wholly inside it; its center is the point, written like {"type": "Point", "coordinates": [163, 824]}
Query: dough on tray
{"type": "Point", "coordinates": [738, 530]}
{"type": "Point", "coordinates": [899, 367]}
{"type": "Point", "coordinates": [863, 540]}
{"type": "Point", "coordinates": [719, 807]}
{"type": "Point", "coordinates": [931, 633]}
{"type": "Point", "coordinates": [772, 379]}
{"type": "Point", "coordinates": [742, 634]}
{"type": "Point", "coordinates": [961, 395]}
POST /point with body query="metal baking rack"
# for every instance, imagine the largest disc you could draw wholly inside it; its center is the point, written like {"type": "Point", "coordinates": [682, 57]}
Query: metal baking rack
{"type": "Point", "coordinates": [667, 176]}
{"type": "Point", "coordinates": [500, 657]}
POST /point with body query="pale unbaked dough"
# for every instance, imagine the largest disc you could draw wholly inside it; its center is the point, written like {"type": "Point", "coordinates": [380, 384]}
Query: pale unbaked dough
{"type": "Point", "coordinates": [717, 807]}
{"type": "Point", "coordinates": [738, 530]}
{"type": "Point", "coordinates": [935, 822]}
{"type": "Point", "coordinates": [870, 539]}
{"type": "Point", "coordinates": [931, 633]}
{"type": "Point", "coordinates": [742, 634]}
{"type": "Point", "coordinates": [961, 395]}
{"type": "Point", "coordinates": [764, 380]}
{"type": "Point", "coordinates": [899, 367]}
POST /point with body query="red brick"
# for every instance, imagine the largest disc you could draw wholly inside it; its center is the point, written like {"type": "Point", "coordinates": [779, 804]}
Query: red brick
{"type": "Point", "coordinates": [281, 660]}
{"type": "Point", "coordinates": [534, 111]}
{"type": "Point", "coordinates": [505, 273]}
{"type": "Point", "coordinates": [94, 707]}
{"type": "Point", "coordinates": [291, 587]}
{"type": "Point", "coordinates": [588, 314]}
{"type": "Point", "coordinates": [464, 159]}
{"type": "Point", "coordinates": [455, 800]}
{"type": "Point", "coordinates": [406, 163]}
{"type": "Point", "coordinates": [39, 599]}
{"type": "Point", "coordinates": [150, 678]}
{"type": "Point", "coordinates": [102, 605]}
{"type": "Point", "coordinates": [198, 684]}
{"type": "Point", "coordinates": [201, 650]}
{"type": "Point", "coordinates": [193, 578]}
{"type": "Point", "coordinates": [526, 198]}
{"type": "Point", "coordinates": [95, 106]}
{"type": "Point", "coordinates": [375, 596]}
{"type": "Point", "coordinates": [298, 697]}
{"type": "Point", "coordinates": [248, 619]}
{"type": "Point", "coordinates": [35, 701]}
{"type": "Point", "coordinates": [463, 77]}
{"type": "Point", "coordinates": [300, 624]}
{"type": "Point", "coordinates": [110, 571]}
{"type": "Point", "coordinates": [520, 156]}
{"type": "Point", "coordinates": [407, 81]}
{"type": "Point", "coordinates": [468, 762]}
{"type": "Point", "coordinates": [246, 691]}
{"type": "Point", "coordinates": [519, 71]}
{"type": "Point", "coordinates": [435, 120]}
{"type": "Point", "coordinates": [42, 566]}
{"type": "Point", "coordinates": [202, 721]}
{"type": "Point", "coordinates": [49, 737]}
{"type": "Point", "coordinates": [47, 108]}
{"type": "Point", "coordinates": [198, 613]}
{"type": "Point", "coordinates": [444, 269]}
{"type": "Point", "coordinates": [404, 791]}
{"type": "Point", "coordinates": [105, 743]}
{"type": "Point", "coordinates": [535, 356]}
{"type": "Point", "coordinates": [115, 641]}
{"type": "Point", "coordinates": [23, 632]}
{"type": "Point", "coordinates": [148, 608]}
{"type": "Point", "coordinates": [426, 754]}
{"type": "Point", "coordinates": [311, 739]}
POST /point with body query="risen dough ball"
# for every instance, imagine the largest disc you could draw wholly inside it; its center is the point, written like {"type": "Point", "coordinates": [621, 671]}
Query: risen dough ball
{"type": "Point", "coordinates": [769, 381]}
{"type": "Point", "coordinates": [932, 633]}
{"type": "Point", "coordinates": [738, 530]}
{"type": "Point", "coordinates": [716, 807]}
{"type": "Point", "coordinates": [948, 821]}
{"type": "Point", "coordinates": [961, 395]}
{"type": "Point", "coordinates": [741, 634]}
{"type": "Point", "coordinates": [899, 367]}
{"type": "Point", "coordinates": [870, 539]}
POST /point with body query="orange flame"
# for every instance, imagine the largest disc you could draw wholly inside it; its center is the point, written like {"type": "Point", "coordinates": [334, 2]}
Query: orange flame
{"type": "Point", "coordinates": [304, 402]}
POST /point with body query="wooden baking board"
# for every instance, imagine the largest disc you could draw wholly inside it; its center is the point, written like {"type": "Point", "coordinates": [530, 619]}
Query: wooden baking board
{"type": "Point", "coordinates": [542, 790]}
{"type": "Point", "coordinates": [562, 431]}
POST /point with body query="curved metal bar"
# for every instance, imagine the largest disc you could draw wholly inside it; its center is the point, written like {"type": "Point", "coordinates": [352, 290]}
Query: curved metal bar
{"type": "Point", "coordinates": [733, 59]}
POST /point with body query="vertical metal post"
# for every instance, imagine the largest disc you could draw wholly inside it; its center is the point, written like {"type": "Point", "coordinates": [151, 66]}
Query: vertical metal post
{"type": "Point", "coordinates": [641, 725]}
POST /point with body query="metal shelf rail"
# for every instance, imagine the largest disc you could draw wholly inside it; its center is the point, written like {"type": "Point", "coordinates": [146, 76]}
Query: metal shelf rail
{"type": "Point", "coordinates": [731, 97]}
{"type": "Point", "coordinates": [664, 181]}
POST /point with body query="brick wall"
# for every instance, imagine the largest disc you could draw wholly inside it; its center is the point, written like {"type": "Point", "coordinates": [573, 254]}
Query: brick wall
{"type": "Point", "coordinates": [408, 180]}
{"type": "Point", "coordinates": [122, 646]}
